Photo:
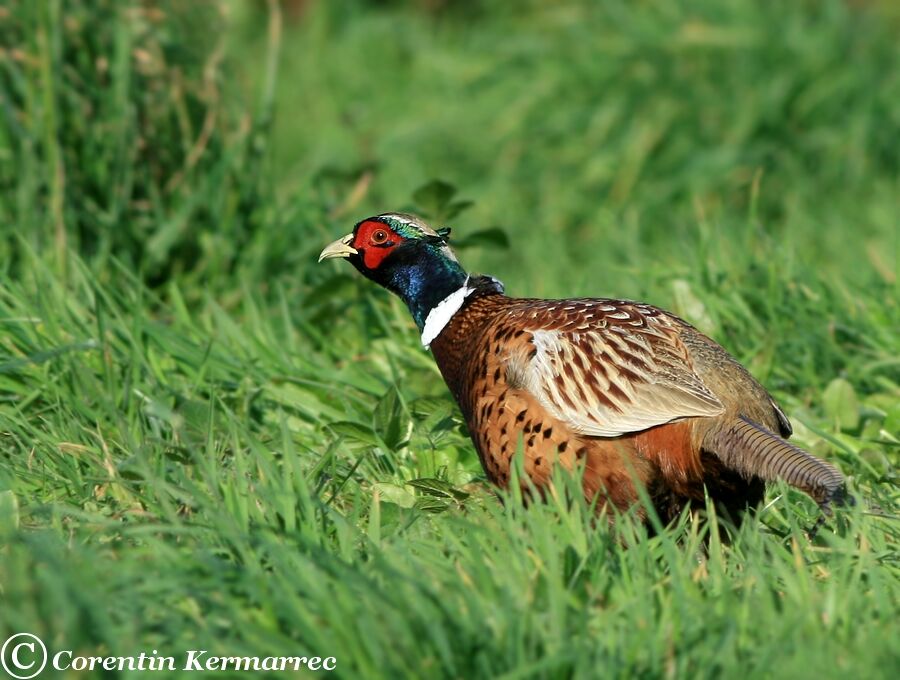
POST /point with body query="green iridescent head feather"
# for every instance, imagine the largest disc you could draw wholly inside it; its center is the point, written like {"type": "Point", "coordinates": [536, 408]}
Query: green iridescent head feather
{"type": "Point", "coordinates": [410, 226]}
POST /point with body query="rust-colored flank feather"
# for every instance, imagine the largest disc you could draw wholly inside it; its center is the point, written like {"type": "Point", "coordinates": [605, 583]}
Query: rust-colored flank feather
{"type": "Point", "coordinates": [624, 392]}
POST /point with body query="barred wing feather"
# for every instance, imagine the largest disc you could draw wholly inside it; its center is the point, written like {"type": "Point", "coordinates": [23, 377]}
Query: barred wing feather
{"type": "Point", "coordinates": [610, 367]}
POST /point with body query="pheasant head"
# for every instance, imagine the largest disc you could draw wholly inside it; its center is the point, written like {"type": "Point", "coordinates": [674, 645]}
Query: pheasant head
{"type": "Point", "coordinates": [412, 260]}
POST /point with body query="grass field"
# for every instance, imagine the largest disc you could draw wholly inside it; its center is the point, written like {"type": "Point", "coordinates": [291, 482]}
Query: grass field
{"type": "Point", "coordinates": [208, 442]}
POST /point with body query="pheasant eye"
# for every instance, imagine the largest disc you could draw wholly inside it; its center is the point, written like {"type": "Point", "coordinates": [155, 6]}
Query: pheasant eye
{"type": "Point", "coordinates": [379, 236]}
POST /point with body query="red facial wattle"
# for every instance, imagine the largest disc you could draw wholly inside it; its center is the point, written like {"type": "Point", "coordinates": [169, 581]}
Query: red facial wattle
{"type": "Point", "coordinates": [373, 253]}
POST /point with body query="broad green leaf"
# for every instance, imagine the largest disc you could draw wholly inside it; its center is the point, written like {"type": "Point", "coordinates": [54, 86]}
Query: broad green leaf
{"type": "Point", "coordinates": [9, 512]}
{"type": "Point", "coordinates": [438, 488]}
{"type": "Point", "coordinates": [841, 404]}
{"type": "Point", "coordinates": [394, 493]}
{"type": "Point", "coordinates": [454, 208]}
{"type": "Point", "coordinates": [432, 198]}
{"type": "Point", "coordinates": [432, 505]}
{"type": "Point", "coordinates": [493, 237]}
{"type": "Point", "coordinates": [356, 432]}
{"type": "Point", "coordinates": [892, 421]}
{"type": "Point", "coordinates": [391, 420]}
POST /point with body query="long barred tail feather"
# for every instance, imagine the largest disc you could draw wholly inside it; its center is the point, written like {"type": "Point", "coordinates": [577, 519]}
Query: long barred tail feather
{"type": "Point", "coordinates": [752, 450]}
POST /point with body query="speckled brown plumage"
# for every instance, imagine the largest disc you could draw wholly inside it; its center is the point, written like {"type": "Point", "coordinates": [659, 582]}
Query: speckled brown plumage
{"type": "Point", "coordinates": [652, 366]}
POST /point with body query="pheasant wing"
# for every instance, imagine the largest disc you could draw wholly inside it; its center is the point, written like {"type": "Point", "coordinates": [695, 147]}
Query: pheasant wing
{"type": "Point", "coordinates": [608, 367]}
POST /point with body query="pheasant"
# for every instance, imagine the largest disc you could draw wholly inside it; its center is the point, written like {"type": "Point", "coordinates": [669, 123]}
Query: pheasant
{"type": "Point", "coordinates": [630, 394]}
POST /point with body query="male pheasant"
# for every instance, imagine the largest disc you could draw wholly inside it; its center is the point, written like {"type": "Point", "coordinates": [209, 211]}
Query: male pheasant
{"type": "Point", "coordinates": [632, 394]}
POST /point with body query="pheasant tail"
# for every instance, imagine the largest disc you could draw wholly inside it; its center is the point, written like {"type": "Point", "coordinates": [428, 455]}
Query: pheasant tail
{"type": "Point", "coordinates": [751, 450]}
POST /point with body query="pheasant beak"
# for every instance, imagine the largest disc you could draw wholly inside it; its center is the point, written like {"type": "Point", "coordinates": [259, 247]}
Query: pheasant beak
{"type": "Point", "coordinates": [340, 248]}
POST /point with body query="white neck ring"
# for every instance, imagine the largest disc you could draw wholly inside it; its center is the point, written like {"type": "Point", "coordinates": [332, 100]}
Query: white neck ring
{"type": "Point", "coordinates": [442, 312]}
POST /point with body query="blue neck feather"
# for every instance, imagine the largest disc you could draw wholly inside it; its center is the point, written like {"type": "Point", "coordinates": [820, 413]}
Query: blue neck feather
{"type": "Point", "coordinates": [424, 280]}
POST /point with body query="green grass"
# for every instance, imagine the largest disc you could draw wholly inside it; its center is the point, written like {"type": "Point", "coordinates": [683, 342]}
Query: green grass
{"type": "Point", "coordinates": [208, 440]}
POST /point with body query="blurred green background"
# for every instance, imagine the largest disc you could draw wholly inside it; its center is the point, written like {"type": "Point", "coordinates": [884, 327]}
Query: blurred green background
{"type": "Point", "coordinates": [208, 440]}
